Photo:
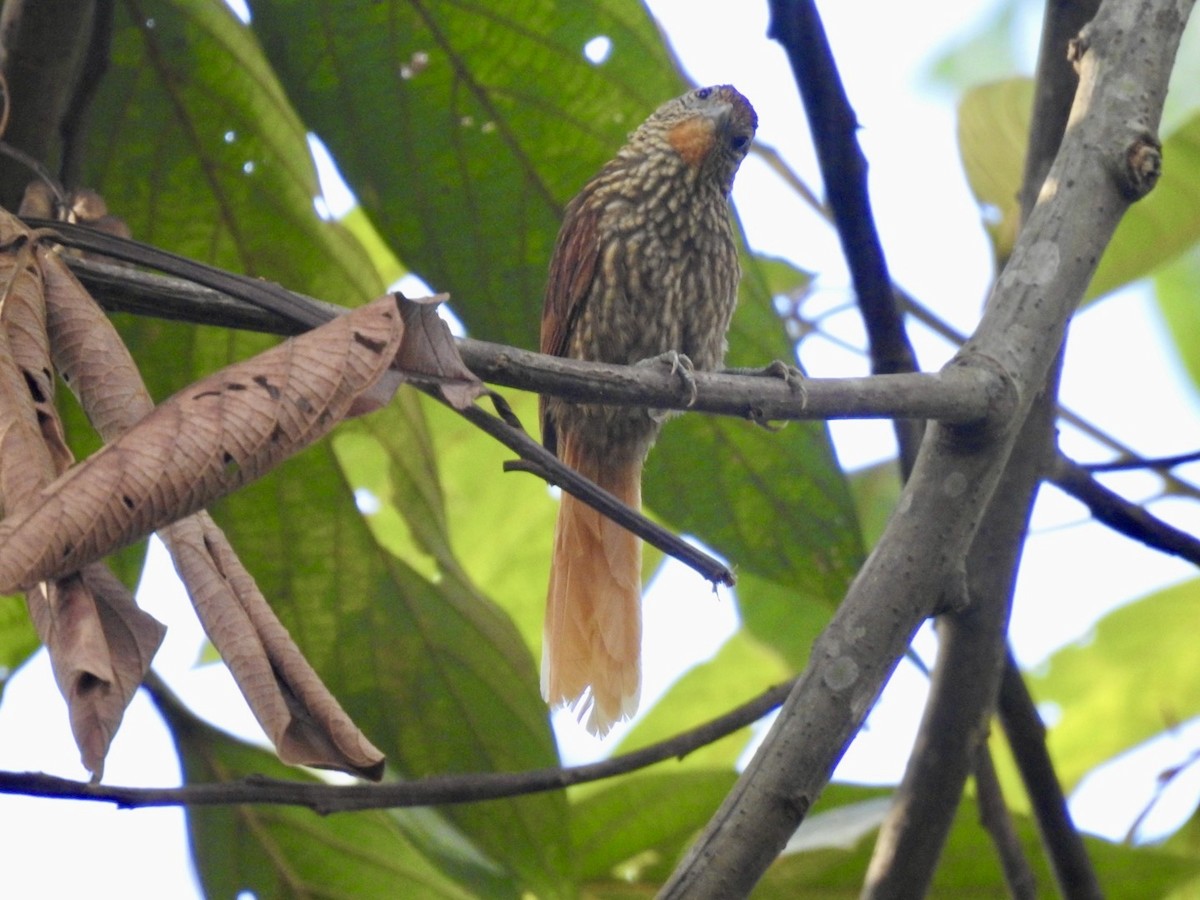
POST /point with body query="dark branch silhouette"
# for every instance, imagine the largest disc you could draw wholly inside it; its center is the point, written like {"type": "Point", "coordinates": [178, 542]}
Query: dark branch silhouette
{"type": "Point", "coordinates": [436, 790]}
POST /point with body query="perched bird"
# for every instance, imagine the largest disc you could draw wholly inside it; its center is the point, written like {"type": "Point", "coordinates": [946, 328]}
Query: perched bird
{"type": "Point", "coordinates": [645, 266]}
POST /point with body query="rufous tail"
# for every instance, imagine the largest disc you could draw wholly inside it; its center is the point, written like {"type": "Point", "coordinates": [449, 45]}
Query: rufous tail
{"type": "Point", "coordinates": [592, 643]}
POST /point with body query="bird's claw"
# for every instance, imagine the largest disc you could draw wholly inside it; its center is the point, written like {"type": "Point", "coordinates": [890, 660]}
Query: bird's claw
{"type": "Point", "coordinates": [792, 375]}
{"type": "Point", "coordinates": [680, 365]}
{"type": "Point", "coordinates": [776, 369]}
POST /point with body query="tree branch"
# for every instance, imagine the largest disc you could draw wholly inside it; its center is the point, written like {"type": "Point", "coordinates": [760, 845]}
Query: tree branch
{"type": "Point", "coordinates": [918, 563]}
{"type": "Point", "coordinates": [213, 297]}
{"type": "Point", "coordinates": [439, 790]}
{"type": "Point", "coordinates": [797, 26]}
{"type": "Point", "coordinates": [1119, 514]}
{"type": "Point", "coordinates": [972, 647]}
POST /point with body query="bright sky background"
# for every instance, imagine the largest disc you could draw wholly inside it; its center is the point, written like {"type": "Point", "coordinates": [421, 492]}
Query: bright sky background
{"type": "Point", "coordinates": [937, 251]}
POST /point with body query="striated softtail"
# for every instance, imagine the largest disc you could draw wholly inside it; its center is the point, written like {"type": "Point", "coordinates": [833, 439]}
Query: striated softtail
{"type": "Point", "coordinates": [591, 649]}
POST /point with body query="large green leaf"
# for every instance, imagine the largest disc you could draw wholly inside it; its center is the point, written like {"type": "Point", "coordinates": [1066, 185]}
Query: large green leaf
{"type": "Point", "coordinates": [635, 829]}
{"type": "Point", "coordinates": [431, 670]}
{"type": "Point", "coordinates": [1131, 680]}
{"type": "Point", "coordinates": [993, 125]}
{"type": "Point", "coordinates": [1176, 288]}
{"type": "Point", "coordinates": [464, 128]}
{"type": "Point", "coordinates": [501, 524]}
{"type": "Point", "coordinates": [284, 851]}
{"type": "Point", "coordinates": [968, 867]}
{"type": "Point", "coordinates": [993, 130]}
{"type": "Point", "coordinates": [195, 145]}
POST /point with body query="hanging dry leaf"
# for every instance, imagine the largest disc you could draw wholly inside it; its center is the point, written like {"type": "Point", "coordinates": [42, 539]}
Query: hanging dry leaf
{"type": "Point", "coordinates": [89, 355]}
{"type": "Point", "coordinates": [206, 441]}
{"type": "Point", "coordinates": [100, 643]}
{"type": "Point", "coordinates": [295, 709]}
{"type": "Point", "coordinates": [428, 349]}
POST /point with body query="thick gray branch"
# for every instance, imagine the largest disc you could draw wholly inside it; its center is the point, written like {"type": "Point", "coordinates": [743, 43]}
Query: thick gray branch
{"type": "Point", "coordinates": [918, 565]}
{"type": "Point", "coordinates": [959, 396]}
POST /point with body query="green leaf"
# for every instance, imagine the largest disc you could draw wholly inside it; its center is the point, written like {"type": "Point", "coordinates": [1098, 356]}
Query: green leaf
{"type": "Point", "coordinates": [1131, 680]}
{"type": "Point", "coordinates": [993, 126]}
{"type": "Point", "coordinates": [1176, 288]}
{"type": "Point", "coordinates": [430, 670]}
{"type": "Point", "coordinates": [195, 145]}
{"type": "Point", "coordinates": [968, 867]}
{"type": "Point", "coordinates": [635, 829]}
{"type": "Point", "coordinates": [18, 639]}
{"type": "Point", "coordinates": [284, 851]}
{"type": "Point", "coordinates": [501, 523]}
{"type": "Point", "coordinates": [876, 491]}
{"type": "Point", "coordinates": [464, 129]}
{"type": "Point", "coordinates": [782, 617]}
{"type": "Point", "coordinates": [742, 669]}
{"type": "Point", "coordinates": [993, 130]}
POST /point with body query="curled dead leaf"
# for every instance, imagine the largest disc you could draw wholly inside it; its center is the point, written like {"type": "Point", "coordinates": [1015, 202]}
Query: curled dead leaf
{"type": "Point", "coordinates": [428, 350]}
{"type": "Point", "coordinates": [298, 713]}
{"type": "Point", "coordinates": [219, 434]}
{"type": "Point", "coordinates": [100, 643]}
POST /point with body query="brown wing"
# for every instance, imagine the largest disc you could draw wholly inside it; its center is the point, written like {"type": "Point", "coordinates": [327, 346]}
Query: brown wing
{"type": "Point", "coordinates": [572, 272]}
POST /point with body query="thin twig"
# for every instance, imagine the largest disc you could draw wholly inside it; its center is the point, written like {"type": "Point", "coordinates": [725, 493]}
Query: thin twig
{"type": "Point", "coordinates": [437, 790]}
{"type": "Point", "coordinates": [1139, 463]}
{"type": "Point", "coordinates": [1130, 519]}
{"type": "Point", "coordinates": [548, 466]}
{"type": "Point", "coordinates": [1027, 737]}
{"type": "Point", "coordinates": [994, 816]}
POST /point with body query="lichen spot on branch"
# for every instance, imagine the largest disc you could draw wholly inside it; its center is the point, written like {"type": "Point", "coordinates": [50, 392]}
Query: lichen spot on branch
{"type": "Point", "coordinates": [1037, 266]}
{"type": "Point", "coordinates": [841, 673]}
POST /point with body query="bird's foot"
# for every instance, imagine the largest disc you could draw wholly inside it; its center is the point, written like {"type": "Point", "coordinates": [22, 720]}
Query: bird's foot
{"type": "Point", "coordinates": [777, 368]}
{"type": "Point", "coordinates": [791, 375]}
{"type": "Point", "coordinates": [680, 365]}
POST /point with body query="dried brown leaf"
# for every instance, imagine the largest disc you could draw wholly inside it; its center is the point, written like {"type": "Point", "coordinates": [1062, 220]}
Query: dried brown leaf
{"type": "Point", "coordinates": [100, 646]}
{"type": "Point", "coordinates": [428, 349]}
{"type": "Point", "coordinates": [25, 462]}
{"type": "Point", "coordinates": [89, 355]}
{"type": "Point", "coordinates": [295, 709]}
{"type": "Point", "coordinates": [100, 643]}
{"type": "Point", "coordinates": [203, 443]}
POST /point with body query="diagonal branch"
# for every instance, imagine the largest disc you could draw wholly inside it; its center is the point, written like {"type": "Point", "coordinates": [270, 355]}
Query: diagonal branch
{"type": "Point", "coordinates": [1121, 515]}
{"type": "Point", "coordinates": [971, 651]}
{"type": "Point", "coordinates": [436, 790]}
{"type": "Point", "coordinates": [797, 26]}
{"type": "Point", "coordinates": [917, 566]}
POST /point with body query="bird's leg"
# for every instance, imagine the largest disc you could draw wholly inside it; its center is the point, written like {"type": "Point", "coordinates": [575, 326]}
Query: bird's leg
{"type": "Point", "coordinates": [681, 366]}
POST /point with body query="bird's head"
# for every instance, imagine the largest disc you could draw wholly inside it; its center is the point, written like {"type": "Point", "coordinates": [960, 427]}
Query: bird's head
{"type": "Point", "coordinates": [710, 130]}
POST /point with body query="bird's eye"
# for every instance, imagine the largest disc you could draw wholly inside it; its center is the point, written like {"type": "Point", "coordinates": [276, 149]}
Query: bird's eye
{"type": "Point", "coordinates": [703, 93]}
{"type": "Point", "coordinates": [738, 142]}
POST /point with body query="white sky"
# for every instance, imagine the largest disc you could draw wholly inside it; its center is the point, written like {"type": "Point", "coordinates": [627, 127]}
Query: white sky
{"type": "Point", "coordinates": [936, 249]}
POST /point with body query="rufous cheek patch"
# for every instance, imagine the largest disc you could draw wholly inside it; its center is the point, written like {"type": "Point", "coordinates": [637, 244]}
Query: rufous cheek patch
{"type": "Point", "coordinates": [693, 139]}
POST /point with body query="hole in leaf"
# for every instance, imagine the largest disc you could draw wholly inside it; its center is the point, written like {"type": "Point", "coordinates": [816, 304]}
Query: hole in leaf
{"type": "Point", "coordinates": [598, 49]}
